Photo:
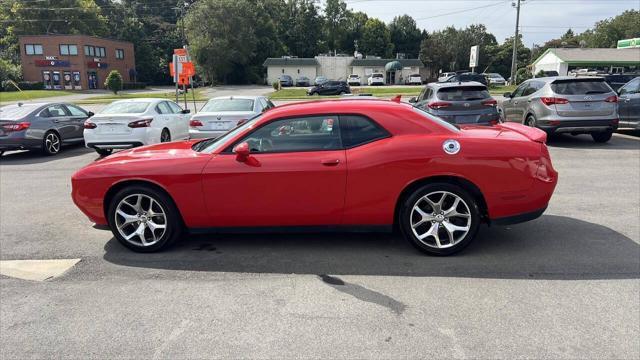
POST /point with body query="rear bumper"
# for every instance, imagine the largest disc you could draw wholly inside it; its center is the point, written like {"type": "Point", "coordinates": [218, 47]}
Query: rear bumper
{"type": "Point", "coordinates": [137, 137]}
{"type": "Point", "coordinates": [203, 134]}
{"type": "Point", "coordinates": [578, 126]}
{"type": "Point", "coordinates": [629, 124]}
{"type": "Point", "coordinates": [114, 145]}
{"type": "Point", "coordinates": [519, 218]}
{"type": "Point", "coordinates": [19, 140]}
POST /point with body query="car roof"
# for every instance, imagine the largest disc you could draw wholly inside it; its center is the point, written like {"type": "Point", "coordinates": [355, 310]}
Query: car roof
{"type": "Point", "coordinates": [152, 100]}
{"type": "Point", "coordinates": [550, 79]}
{"type": "Point", "coordinates": [242, 97]}
{"type": "Point", "coordinates": [441, 85]}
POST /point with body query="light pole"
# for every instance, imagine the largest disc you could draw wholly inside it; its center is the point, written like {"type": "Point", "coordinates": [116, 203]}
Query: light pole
{"type": "Point", "coordinates": [514, 62]}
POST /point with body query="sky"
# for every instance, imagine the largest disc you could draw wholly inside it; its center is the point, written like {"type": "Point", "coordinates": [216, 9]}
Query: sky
{"type": "Point", "coordinates": [540, 20]}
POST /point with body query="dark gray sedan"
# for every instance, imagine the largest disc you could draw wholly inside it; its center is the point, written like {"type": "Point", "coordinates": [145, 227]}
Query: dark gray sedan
{"type": "Point", "coordinates": [459, 103]}
{"type": "Point", "coordinates": [41, 126]}
{"type": "Point", "coordinates": [629, 104]}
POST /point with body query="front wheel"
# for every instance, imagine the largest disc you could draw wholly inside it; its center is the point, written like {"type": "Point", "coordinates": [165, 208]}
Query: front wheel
{"type": "Point", "coordinates": [144, 219]}
{"type": "Point", "coordinates": [440, 218]}
{"type": "Point", "coordinates": [602, 137]}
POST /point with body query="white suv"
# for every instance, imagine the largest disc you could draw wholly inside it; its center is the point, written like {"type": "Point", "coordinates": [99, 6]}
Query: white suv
{"type": "Point", "coordinates": [376, 79]}
{"type": "Point", "coordinates": [353, 80]}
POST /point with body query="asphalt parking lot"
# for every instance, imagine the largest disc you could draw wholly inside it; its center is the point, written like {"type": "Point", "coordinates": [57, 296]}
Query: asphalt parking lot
{"type": "Point", "coordinates": [563, 286]}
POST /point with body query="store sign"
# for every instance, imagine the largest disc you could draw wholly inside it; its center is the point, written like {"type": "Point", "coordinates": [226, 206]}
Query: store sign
{"type": "Point", "coordinates": [629, 43]}
{"type": "Point", "coordinates": [97, 65]}
{"type": "Point", "coordinates": [45, 63]}
{"type": "Point", "coordinates": [51, 58]}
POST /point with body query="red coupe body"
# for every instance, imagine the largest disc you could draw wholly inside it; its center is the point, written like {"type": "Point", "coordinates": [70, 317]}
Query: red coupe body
{"type": "Point", "coordinates": [507, 167]}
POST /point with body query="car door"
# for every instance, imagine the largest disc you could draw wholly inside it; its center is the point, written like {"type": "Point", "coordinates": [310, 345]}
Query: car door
{"type": "Point", "coordinates": [509, 105]}
{"type": "Point", "coordinates": [60, 120]}
{"type": "Point", "coordinates": [629, 104]}
{"type": "Point", "coordinates": [180, 120]}
{"type": "Point", "coordinates": [163, 119]}
{"type": "Point", "coordinates": [294, 176]}
{"type": "Point", "coordinates": [77, 116]}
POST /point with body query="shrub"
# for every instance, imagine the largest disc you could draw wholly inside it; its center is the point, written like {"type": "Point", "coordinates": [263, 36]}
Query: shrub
{"type": "Point", "coordinates": [114, 81]}
{"type": "Point", "coordinates": [23, 85]}
{"type": "Point", "coordinates": [523, 74]}
{"type": "Point", "coordinates": [541, 74]}
{"type": "Point", "coordinates": [134, 86]}
{"type": "Point", "coordinates": [276, 85]}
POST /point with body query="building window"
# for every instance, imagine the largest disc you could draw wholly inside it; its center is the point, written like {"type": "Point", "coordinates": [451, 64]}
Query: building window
{"type": "Point", "coordinates": [89, 50]}
{"type": "Point", "coordinates": [33, 49]}
{"type": "Point", "coordinates": [298, 71]}
{"type": "Point", "coordinates": [119, 54]}
{"type": "Point", "coordinates": [283, 71]}
{"type": "Point", "coordinates": [66, 49]}
{"type": "Point", "coordinates": [101, 52]}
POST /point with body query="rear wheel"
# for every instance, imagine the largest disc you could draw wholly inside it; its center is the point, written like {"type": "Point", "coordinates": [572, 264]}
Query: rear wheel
{"type": "Point", "coordinates": [104, 152]}
{"type": "Point", "coordinates": [602, 137]}
{"type": "Point", "coordinates": [165, 136]}
{"type": "Point", "coordinates": [143, 219]}
{"type": "Point", "coordinates": [439, 218]}
{"type": "Point", "coordinates": [531, 121]}
{"type": "Point", "coordinates": [51, 143]}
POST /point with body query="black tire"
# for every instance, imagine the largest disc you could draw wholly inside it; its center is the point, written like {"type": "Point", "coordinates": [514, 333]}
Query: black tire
{"type": "Point", "coordinates": [172, 222]}
{"type": "Point", "coordinates": [531, 121]}
{"type": "Point", "coordinates": [602, 137]}
{"type": "Point", "coordinates": [405, 220]}
{"type": "Point", "coordinates": [342, 92]}
{"type": "Point", "coordinates": [501, 117]}
{"type": "Point", "coordinates": [104, 152]}
{"type": "Point", "coordinates": [51, 143]}
{"type": "Point", "coordinates": [165, 136]}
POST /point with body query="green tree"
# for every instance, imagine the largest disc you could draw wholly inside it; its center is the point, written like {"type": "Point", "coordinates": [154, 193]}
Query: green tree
{"type": "Point", "coordinates": [113, 81]}
{"type": "Point", "coordinates": [606, 33]}
{"type": "Point", "coordinates": [448, 49]}
{"type": "Point", "coordinates": [353, 30]}
{"type": "Point", "coordinates": [376, 39]}
{"type": "Point", "coordinates": [302, 32]}
{"type": "Point", "coordinates": [335, 13]}
{"type": "Point", "coordinates": [405, 35]}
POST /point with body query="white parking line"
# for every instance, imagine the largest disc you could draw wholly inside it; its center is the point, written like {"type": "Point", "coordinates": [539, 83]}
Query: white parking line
{"type": "Point", "coordinates": [36, 270]}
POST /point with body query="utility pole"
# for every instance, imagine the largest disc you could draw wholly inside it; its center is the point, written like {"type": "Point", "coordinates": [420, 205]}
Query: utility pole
{"type": "Point", "coordinates": [514, 62]}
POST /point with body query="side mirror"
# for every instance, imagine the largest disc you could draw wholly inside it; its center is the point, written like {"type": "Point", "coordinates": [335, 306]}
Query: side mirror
{"type": "Point", "coordinates": [90, 114]}
{"type": "Point", "coordinates": [242, 151]}
{"type": "Point", "coordinates": [508, 95]}
{"type": "Point", "coordinates": [413, 100]}
{"type": "Point", "coordinates": [186, 111]}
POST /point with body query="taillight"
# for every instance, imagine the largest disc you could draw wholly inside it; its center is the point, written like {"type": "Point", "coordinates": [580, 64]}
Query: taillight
{"type": "Point", "coordinates": [16, 126]}
{"type": "Point", "coordinates": [611, 99]}
{"type": "Point", "coordinates": [195, 123]}
{"type": "Point", "coordinates": [490, 102]}
{"type": "Point", "coordinates": [90, 125]}
{"type": "Point", "coordinates": [439, 104]}
{"type": "Point", "coordinates": [242, 121]}
{"type": "Point", "coordinates": [553, 100]}
{"type": "Point", "coordinates": [140, 123]}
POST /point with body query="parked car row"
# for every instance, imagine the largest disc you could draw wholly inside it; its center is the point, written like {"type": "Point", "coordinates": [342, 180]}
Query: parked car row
{"type": "Point", "coordinates": [574, 105]}
{"type": "Point", "coordinates": [122, 124]}
{"type": "Point", "coordinates": [375, 79]}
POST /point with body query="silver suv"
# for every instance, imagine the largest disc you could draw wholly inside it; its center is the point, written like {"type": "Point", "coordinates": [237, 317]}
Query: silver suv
{"type": "Point", "coordinates": [564, 104]}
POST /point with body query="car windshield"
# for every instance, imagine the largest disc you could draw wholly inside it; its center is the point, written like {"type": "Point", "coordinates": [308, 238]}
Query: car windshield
{"type": "Point", "coordinates": [463, 93]}
{"type": "Point", "coordinates": [216, 105]}
{"type": "Point", "coordinates": [13, 112]}
{"type": "Point", "coordinates": [580, 87]}
{"type": "Point", "coordinates": [436, 119]}
{"type": "Point", "coordinates": [210, 145]}
{"type": "Point", "coordinates": [129, 107]}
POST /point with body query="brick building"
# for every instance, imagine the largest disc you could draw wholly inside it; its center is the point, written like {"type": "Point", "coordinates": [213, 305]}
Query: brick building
{"type": "Point", "coordinates": [75, 62]}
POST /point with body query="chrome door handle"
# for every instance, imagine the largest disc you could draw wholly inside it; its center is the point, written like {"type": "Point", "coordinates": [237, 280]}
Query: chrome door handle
{"type": "Point", "coordinates": [330, 162]}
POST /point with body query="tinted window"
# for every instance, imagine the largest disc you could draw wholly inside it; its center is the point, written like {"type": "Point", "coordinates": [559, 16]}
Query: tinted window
{"type": "Point", "coordinates": [580, 87]}
{"type": "Point", "coordinates": [631, 88]}
{"type": "Point", "coordinates": [533, 87]}
{"type": "Point", "coordinates": [136, 107]}
{"type": "Point", "coordinates": [54, 111]}
{"type": "Point", "coordinates": [315, 133]}
{"type": "Point", "coordinates": [76, 111]}
{"type": "Point", "coordinates": [228, 105]}
{"type": "Point", "coordinates": [520, 89]}
{"type": "Point", "coordinates": [463, 93]}
{"type": "Point", "coordinates": [359, 130]}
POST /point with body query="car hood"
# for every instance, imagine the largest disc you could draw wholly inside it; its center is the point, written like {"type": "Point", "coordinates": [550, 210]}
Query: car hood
{"type": "Point", "coordinates": [170, 150]}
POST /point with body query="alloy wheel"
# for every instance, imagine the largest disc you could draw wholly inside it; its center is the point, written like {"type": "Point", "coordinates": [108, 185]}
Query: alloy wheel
{"type": "Point", "coordinates": [440, 219]}
{"type": "Point", "coordinates": [140, 220]}
{"type": "Point", "coordinates": [52, 143]}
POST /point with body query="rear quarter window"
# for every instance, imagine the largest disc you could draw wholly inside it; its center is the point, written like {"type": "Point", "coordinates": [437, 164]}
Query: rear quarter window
{"type": "Point", "coordinates": [580, 87]}
{"type": "Point", "coordinates": [358, 130]}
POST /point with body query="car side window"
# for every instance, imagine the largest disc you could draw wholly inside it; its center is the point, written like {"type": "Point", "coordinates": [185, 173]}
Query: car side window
{"type": "Point", "coordinates": [263, 104]}
{"type": "Point", "coordinates": [314, 133]}
{"type": "Point", "coordinates": [75, 111]}
{"type": "Point", "coordinates": [422, 94]}
{"type": "Point", "coordinates": [533, 87]}
{"type": "Point", "coordinates": [163, 108]}
{"type": "Point", "coordinates": [359, 130]}
{"type": "Point", "coordinates": [632, 87]}
{"type": "Point", "coordinates": [175, 108]}
{"type": "Point", "coordinates": [520, 89]}
{"type": "Point", "coordinates": [54, 111]}
{"type": "Point", "coordinates": [270, 104]}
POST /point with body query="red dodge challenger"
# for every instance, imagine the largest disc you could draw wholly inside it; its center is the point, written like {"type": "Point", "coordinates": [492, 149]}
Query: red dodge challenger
{"type": "Point", "coordinates": [341, 165]}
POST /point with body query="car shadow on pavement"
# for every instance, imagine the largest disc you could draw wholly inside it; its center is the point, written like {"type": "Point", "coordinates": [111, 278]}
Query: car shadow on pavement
{"type": "Point", "coordinates": [36, 157]}
{"type": "Point", "coordinates": [586, 142]}
{"type": "Point", "coordinates": [552, 247]}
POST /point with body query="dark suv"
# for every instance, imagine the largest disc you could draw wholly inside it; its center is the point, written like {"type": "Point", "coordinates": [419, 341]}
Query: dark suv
{"type": "Point", "coordinates": [465, 77]}
{"type": "Point", "coordinates": [330, 88]}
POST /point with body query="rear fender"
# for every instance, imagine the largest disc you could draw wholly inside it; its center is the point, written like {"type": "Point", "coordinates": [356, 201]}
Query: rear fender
{"type": "Point", "coordinates": [533, 134]}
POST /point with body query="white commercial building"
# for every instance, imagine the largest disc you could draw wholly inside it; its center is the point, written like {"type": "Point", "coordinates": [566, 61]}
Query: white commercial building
{"type": "Point", "coordinates": [610, 60]}
{"type": "Point", "coordinates": [294, 67]}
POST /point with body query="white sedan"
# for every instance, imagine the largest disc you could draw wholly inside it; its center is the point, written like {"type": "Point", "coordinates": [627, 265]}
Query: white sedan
{"type": "Point", "coordinates": [125, 124]}
{"type": "Point", "coordinates": [224, 113]}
